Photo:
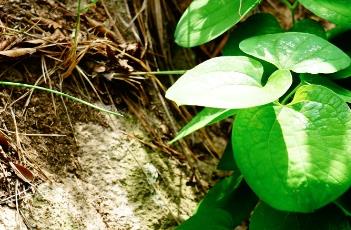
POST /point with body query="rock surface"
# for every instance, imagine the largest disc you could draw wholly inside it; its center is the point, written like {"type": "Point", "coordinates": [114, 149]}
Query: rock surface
{"type": "Point", "coordinates": [121, 185]}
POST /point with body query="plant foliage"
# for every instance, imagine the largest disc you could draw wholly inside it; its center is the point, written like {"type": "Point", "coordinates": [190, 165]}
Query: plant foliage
{"type": "Point", "coordinates": [289, 149]}
{"type": "Point", "coordinates": [205, 20]}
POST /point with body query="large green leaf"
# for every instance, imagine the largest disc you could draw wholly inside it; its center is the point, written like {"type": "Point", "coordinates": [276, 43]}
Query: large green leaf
{"type": "Point", "coordinates": [299, 52]}
{"type": "Point", "coordinates": [345, 73]}
{"type": "Point", "coordinates": [328, 218]}
{"type": "Point", "coordinates": [296, 157]}
{"type": "Point", "coordinates": [257, 24]}
{"type": "Point", "coordinates": [336, 11]}
{"type": "Point", "coordinates": [324, 81]}
{"type": "Point", "coordinates": [225, 206]}
{"type": "Point", "coordinates": [205, 20]}
{"type": "Point", "coordinates": [228, 82]}
{"type": "Point", "coordinates": [207, 116]}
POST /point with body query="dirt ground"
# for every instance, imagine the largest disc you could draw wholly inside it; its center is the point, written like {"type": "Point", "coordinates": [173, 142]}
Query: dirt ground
{"type": "Point", "coordinates": [99, 176]}
{"type": "Point", "coordinates": [64, 165]}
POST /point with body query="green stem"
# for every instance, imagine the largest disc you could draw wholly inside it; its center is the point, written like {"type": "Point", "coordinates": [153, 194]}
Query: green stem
{"type": "Point", "coordinates": [165, 72]}
{"type": "Point", "coordinates": [292, 17]}
{"type": "Point", "coordinates": [22, 85]}
{"type": "Point", "coordinates": [342, 208]}
{"type": "Point", "coordinates": [287, 97]}
{"type": "Point", "coordinates": [287, 3]}
{"type": "Point", "coordinates": [292, 8]}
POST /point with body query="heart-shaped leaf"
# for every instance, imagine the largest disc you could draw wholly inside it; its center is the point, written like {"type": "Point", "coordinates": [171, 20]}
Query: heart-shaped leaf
{"type": "Point", "coordinates": [328, 218]}
{"type": "Point", "coordinates": [296, 157]}
{"type": "Point", "coordinates": [207, 116]}
{"type": "Point", "coordinates": [299, 52]}
{"type": "Point", "coordinates": [345, 73]}
{"type": "Point", "coordinates": [228, 82]}
{"type": "Point", "coordinates": [205, 20]}
{"type": "Point", "coordinates": [257, 24]}
{"type": "Point", "coordinates": [324, 81]}
{"type": "Point", "coordinates": [336, 11]}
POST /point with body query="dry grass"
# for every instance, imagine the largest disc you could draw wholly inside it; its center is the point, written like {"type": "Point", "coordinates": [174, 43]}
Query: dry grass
{"type": "Point", "coordinates": [96, 50]}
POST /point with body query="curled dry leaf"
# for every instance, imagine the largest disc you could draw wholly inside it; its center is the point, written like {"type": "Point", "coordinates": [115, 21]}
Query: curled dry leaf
{"type": "Point", "coordinates": [18, 52]}
{"type": "Point", "coordinates": [4, 142]}
{"type": "Point", "coordinates": [22, 172]}
{"type": "Point", "coordinates": [102, 29]}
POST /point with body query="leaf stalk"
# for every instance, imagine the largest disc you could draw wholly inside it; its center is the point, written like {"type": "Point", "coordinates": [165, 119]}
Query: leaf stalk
{"type": "Point", "coordinates": [22, 85]}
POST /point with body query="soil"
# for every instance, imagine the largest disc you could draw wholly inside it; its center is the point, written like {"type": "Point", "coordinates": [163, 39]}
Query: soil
{"type": "Point", "coordinates": [99, 176]}
{"type": "Point", "coordinates": [93, 170]}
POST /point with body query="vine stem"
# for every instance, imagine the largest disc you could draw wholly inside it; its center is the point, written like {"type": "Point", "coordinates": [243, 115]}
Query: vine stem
{"type": "Point", "coordinates": [292, 8]}
{"type": "Point", "coordinates": [287, 97]}
{"type": "Point", "coordinates": [165, 72]}
{"type": "Point", "coordinates": [22, 85]}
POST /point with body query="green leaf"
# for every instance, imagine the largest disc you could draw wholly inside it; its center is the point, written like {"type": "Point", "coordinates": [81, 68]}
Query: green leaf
{"type": "Point", "coordinates": [309, 26]}
{"type": "Point", "coordinates": [215, 219]}
{"type": "Point", "coordinates": [345, 94]}
{"type": "Point", "coordinates": [207, 116]}
{"type": "Point", "coordinates": [257, 24]}
{"type": "Point", "coordinates": [205, 20]}
{"type": "Point", "coordinates": [336, 11]}
{"type": "Point", "coordinates": [219, 195]}
{"type": "Point", "coordinates": [227, 161]}
{"type": "Point", "coordinates": [299, 52]}
{"type": "Point", "coordinates": [328, 218]}
{"type": "Point", "coordinates": [238, 202]}
{"type": "Point", "coordinates": [345, 73]}
{"type": "Point", "coordinates": [225, 206]}
{"type": "Point", "coordinates": [296, 157]}
{"type": "Point", "coordinates": [228, 82]}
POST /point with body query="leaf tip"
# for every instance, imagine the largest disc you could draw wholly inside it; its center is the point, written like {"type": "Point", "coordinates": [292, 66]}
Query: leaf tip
{"type": "Point", "coordinates": [171, 141]}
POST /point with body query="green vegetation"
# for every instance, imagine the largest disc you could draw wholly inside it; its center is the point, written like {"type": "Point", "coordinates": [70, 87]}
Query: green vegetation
{"type": "Point", "coordinates": [290, 151]}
